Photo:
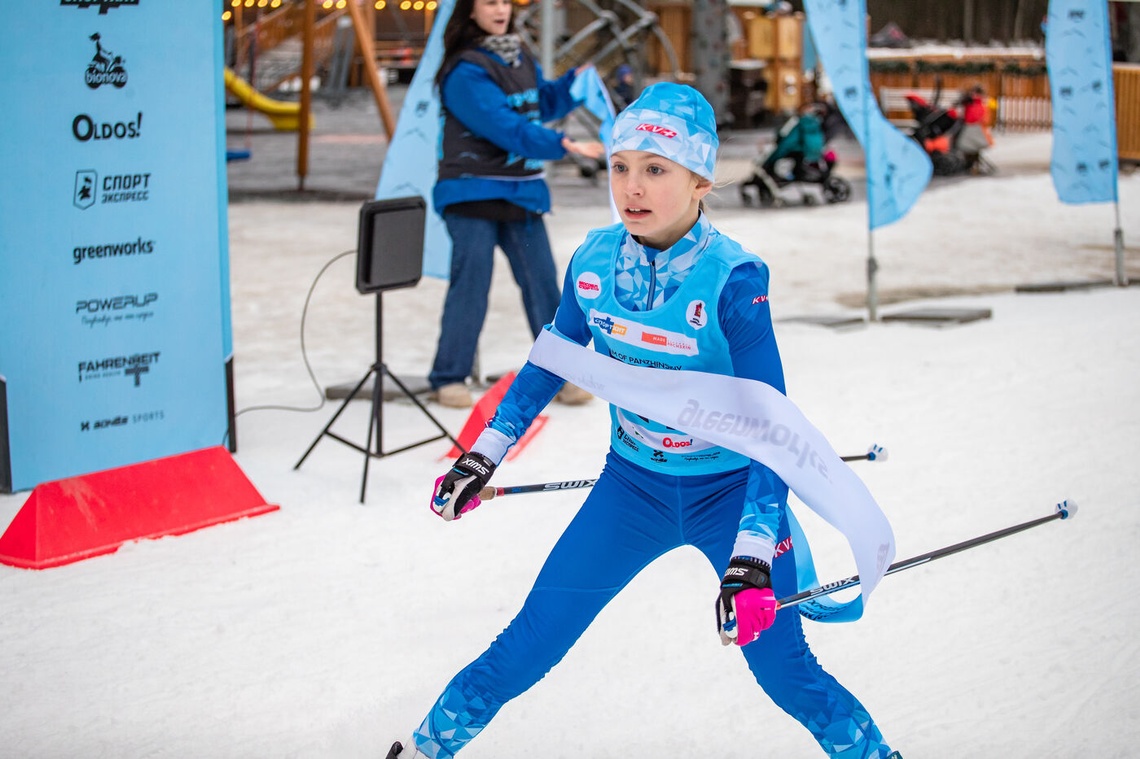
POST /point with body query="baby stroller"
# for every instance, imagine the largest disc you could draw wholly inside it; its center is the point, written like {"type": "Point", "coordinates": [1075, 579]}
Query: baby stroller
{"type": "Point", "coordinates": [940, 133]}
{"type": "Point", "coordinates": [798, 159]}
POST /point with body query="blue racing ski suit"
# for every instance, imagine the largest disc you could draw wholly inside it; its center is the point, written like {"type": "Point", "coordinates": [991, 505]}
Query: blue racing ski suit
{"type": "Point", "coordinates": [702, 304]}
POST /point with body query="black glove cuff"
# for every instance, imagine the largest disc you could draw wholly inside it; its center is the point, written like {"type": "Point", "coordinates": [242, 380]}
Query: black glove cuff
{"type": "Point", "coordinates": [476, 464]}
{"type": "Point", "coordinates": [744, 572]}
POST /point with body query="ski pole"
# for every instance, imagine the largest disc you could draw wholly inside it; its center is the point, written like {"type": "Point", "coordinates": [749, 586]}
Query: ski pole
{"type": "Point", "coordinates": [874, 453]}
{"type": "Point", "coordinates": [490, 491]}
{"type": "Point", "coordinates": [1064, 510]}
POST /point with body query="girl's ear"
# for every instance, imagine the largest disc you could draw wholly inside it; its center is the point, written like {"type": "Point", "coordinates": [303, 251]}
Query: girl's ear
{"type": "Point", "coordinates": [702, 188]}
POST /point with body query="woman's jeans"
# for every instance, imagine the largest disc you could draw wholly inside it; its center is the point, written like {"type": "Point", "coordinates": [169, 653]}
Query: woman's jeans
{"type": "Point", "coordinates": [472, 258]}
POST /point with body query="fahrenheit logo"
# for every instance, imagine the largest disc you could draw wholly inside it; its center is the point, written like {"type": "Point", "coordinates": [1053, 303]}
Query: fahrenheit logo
{"type": "Point", "coordinates": [657, 130]}
{"type": "Point", "coordinates": [128, 366]}
{"type": "Point", "coordinates": [105, 67]}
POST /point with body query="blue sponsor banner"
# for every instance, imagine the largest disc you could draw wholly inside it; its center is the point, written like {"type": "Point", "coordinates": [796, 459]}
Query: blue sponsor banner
{"type": "Point", "coordinates": [898, 169]}
{"type": "Point", "coordinates": [1078, 53]}
{"type": "Point", "coordinates": [410, 163]}
{"type": "Point", "coordinates": [113, 260]}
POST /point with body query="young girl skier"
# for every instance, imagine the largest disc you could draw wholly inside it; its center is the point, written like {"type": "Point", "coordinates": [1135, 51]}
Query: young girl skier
{"type": "Point", "coordinates": [662, 293]}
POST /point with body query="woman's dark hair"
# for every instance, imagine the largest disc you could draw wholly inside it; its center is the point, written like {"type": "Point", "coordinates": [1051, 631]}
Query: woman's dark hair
{"type": "Point", "coordinates": [461, 33]}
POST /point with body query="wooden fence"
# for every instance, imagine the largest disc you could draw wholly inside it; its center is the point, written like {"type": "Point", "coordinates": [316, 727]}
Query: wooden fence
{"type": "Point", "coordinates": [1126, 81]}
{"type": "Point", "coordinates": [1018, 86]}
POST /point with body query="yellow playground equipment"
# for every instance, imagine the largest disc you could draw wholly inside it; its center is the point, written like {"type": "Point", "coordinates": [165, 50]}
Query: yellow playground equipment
{"type": "Point", "coordinates": [285, 116]}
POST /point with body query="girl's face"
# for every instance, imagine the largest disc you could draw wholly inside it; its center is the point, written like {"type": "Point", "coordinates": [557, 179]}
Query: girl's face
{"type": "Point", "coordinates": [658, 200]}
{"type": "Point", "coordinates": [492, 16]}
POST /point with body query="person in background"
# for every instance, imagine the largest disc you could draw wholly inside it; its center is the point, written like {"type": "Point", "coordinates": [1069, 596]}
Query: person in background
{"type": "Point", "coordinates": [975, 135]}
{"type": "Point", "coordinates": [801, 138]}
{"type": "Point", "coordinates": [661, 289]}
{"type": "Point", "coordinates": [491, 189]}
{"type": "Point", "coordinates": [623, 93]}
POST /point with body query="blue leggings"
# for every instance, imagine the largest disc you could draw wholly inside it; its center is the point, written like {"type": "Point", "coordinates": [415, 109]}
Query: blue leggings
{"type": "Point", "coordinates": [619, 530]}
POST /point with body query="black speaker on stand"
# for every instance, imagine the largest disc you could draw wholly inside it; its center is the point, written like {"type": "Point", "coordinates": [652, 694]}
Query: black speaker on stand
{"type": "Point", "coordinates": [389, 256]}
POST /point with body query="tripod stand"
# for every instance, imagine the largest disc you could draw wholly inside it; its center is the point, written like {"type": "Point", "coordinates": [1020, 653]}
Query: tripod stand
{"type": "Point", "coordinates": [374, 447]}
{"type": "Point", "coordinates": [403, 237]}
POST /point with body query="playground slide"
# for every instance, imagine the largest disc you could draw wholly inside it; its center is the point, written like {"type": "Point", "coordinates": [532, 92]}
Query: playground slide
{"type": "Point", "coordinates": [284, 116]}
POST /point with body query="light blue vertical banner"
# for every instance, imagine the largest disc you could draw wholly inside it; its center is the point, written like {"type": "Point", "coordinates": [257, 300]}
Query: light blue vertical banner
{"type": "Point", "coordinates": [898, 169]}
{"type": "Point", "coordinates": [410, 163]}
{"type": "Point", "coordinates": [113, 261]}
{"type": "Point", "coordinates": [1078, 53]}
{"type": "Point", "coordinates": [223, 229]}
{"type": "Point", "coordinates": [810, 58]}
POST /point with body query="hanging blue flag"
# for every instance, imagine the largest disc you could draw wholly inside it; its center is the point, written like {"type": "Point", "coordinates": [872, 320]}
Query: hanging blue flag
{"type": "Point", "coordinates": [410, 165]}
{"type": "Point", "coordinates": [589, 90]}
{"type": "Point", "coordinates": [898, 169]}
{"type": "Point", "coordinates": [1078, 54]}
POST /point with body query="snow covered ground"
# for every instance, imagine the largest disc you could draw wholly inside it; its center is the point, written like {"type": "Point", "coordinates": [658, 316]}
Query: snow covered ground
{"type": "Point", "coordinates": [327, 629]}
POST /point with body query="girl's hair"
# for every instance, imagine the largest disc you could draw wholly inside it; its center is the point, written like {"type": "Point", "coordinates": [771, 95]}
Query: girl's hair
{"type": "Point", "coordinates": [461, 33]}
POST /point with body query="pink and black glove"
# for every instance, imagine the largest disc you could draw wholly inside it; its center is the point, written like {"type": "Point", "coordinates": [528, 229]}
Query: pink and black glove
{"type": "Point", "coordinates": [457, 491]}
{"type": "Point", "coordinates": [746, 605]}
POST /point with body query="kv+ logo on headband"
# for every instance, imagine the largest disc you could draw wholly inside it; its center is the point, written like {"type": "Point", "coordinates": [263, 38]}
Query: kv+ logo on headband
{"type": "Point", "coordinates": [658, 130]}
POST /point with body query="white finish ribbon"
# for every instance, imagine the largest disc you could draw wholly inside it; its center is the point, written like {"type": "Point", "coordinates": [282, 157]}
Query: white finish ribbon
{"type": "Point", "coordinates": [746, 416]}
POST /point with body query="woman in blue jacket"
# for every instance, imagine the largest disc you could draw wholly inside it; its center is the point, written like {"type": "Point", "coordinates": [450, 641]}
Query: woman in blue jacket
{"type": "Point", "coordinates": [491, 188]}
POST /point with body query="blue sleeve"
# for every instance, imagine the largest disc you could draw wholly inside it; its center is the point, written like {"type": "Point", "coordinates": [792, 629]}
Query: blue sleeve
{"type": "Point", "coordinates": [554, 98]}
{"type": "Point", "coordinates": [746, 319]}
{"type": "Point", "coordinates": [471, 96]}
{"type": "Point", "coordinates": [534, 387]}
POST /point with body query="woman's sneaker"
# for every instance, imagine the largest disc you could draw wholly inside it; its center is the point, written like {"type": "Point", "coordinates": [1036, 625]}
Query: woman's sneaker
{"type": "Point", "coordinates": [572, 395]}
{"type": "Point", "coordinates": [454, 395]}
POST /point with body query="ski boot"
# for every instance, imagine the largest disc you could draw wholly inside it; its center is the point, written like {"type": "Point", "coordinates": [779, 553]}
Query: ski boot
{"type": "Point", "coordinates": [398, 752]}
